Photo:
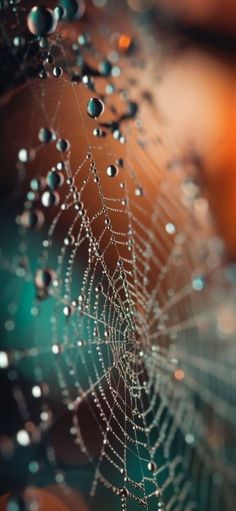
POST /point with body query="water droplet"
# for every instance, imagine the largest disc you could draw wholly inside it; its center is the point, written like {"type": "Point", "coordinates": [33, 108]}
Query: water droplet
{"type": "Point", "coordinates": [16, 503]}
{"type": "Point", "coordinates": [41, 21]}
{"type": "Point", "coordinates": [105, 67]}
{"type": "Point", "coordinates": [33, 467]}
{"type": "Point", "coordinates": [45, 135]}
{"type": "Point", "coordinates": [50, 199]}
{"type": "Point", "coordinates": [55, 179]}
{"type": "Point", "coordinates": [19, 41]}
{"type": "Point", "coordinates": [170, 228]}
{"type": "Point", "coordinates": [95, 107]}
{"type": "Point", "coordinates": [120, 162]}
{"type": "Point", "coordinates": [36, 391]}
{"type": "Point", "coordinates": [88, 81]}
{"type": "Point", "coordinates": [110, 88]}
{"type": "Point", "coordinates": [117, 134]}
{"type": "Point", "coordinates": [32, 219]}
{"type": "Point", "coordinates": [84, 40]}
{"type": "Point", "coordinates": [131, 111]}
{"type": "Point", "coordinates": [67, 311]}
{"type": "Point", "coordinates": [152, 466]}
{"type": "Point", "coordinates": [37, 184]}
{"type": "Point", "coordinates": [25, 155]}
{"type": "Point", "coordinates": [115, 71]}
{"type": "Point", "coordinates": [3, 360]}
{"type": "Point", "coordinates": [44, 278]}
{"type": "Point", "coordinates": [59, 12]}
{"type": "Point", "coordinates": [61, 165]}
{"type": "Point", "coordinates": [189, 439]}
{"type": "Point", "coordinates": [97, 132]}
{"type": "Point", "coordinates": [62, 145]}
{"type": "Point", "coordinates": [112, 170]}
{"type": "Point", "coordinates": [56, 349]}
{"type": "Point", "coordinates": [43, 43]}
{"type": "Point", "coordinates": [23, 438]}
{"type": "Point", "coordinates": [73, 9]}
{"type": "Point", "coordinates": [57, 71]}
{"type": "Point", "coordinates": [139, 192]}
{"type": "Point", "coordinates": [69, 240]}
{"type": "Point", "coordinates": [198, 283]}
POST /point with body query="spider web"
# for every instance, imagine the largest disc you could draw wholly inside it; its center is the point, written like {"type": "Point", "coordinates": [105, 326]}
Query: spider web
{"type": "Point", "coordinates": [135, 333]}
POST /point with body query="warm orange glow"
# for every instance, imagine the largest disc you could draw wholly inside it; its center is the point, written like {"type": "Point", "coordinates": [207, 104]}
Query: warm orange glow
{"type": "Point", "coordinates": [54, 497]}
{"type": "Point", "coordinates": [3, 501]}
{"type": "Point", "coordinates": [124, 42]}
{"type": "Point", "coordinates": [179, 374]}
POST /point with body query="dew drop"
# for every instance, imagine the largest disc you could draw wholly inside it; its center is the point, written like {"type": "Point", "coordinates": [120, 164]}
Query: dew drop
{"type": "Point", "coordinates": [62, 145]}
{"type": "Point", "coordinates": [84, 40]}
{"type": "Point", "coordinates": [112, 170]}
{"type": "Point", "coordinates": [59, 12]}
{"type": "Point", "coordinates": [152, 466]}
{"type": "Point", "coordinates": [45, 135]}
{"type": "Point", "coordinates": [198, 283]}
{"type": "Point", "coordinates": [69, 240]}
{"type": "Point", "coordinates": [37, 184]}
{"type": "Point", "coordinates": [105, 67]}
{"type": "Point", "coordinates": [67, 311]}
{"type": "Point", "coordinates": [19, 41]}
{"type": "Point", "coordinates": [131, 111]}
{"type": "Point", "coordinates": [3, 360]}
{"type": "Point", "coordinates": [60, 165]}
{"type": "Point", "coordinates": [120, 162]}
{"type": "Point", "coordinates": [57, 71]}
{"type": "Point", "coordinates": [88, 81]}
{"type": "Point", "coordinates": [25, 155]}
{"type": "Point", "coordinates": [73, 9]}
{"type": "Point", "coordinates": [170, 228]}
{"type": "Point", "coordinates": [43, 43]}
{"type": "Point", "coordinates": [54, 179]}
{"type": "Point", "coordinates": [23, 438]}
{"type": "Point", "coordinates": [32, 219]}
{"type": "Point", "coordinates": [41, 21]}
{"type": "Point", "coordinates": [95, 107]}
{"type": "Point", "coordinates": [36, 391]}
{"type": "Point", "coordinates": [97, 132]}
{"type": "Point", "coordinates": [44, 278]}
{"type": "Point", "coordinates": [139, 192]}
{"type": "Point", "coordinates": [50, 199]}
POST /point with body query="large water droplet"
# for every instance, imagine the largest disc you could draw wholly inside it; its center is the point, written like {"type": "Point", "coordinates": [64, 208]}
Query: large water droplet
{"type": "Point", "coordinates": [95, 107]}
{"type": "Point", "coordinates": [40, 20]}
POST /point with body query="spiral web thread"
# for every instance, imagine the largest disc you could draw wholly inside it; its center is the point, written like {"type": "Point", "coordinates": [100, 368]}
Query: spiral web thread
{"type": "Point", "coordinates": [147, 334]}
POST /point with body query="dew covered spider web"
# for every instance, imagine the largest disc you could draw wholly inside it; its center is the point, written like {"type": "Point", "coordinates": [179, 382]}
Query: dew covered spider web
{"type": "Point", "coordinates": [119, 311]}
